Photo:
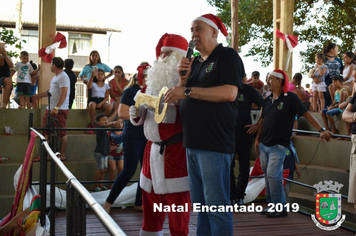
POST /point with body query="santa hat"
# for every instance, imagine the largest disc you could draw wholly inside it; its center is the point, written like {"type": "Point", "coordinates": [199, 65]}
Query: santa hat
{"type": "Point", "coordinates": [214, 22]}
{"type": "Point", "coordinates": [142, 70]}
{"type": "Point", "coordinates": [171, 42]}
{"type": "Point", "coordinates": [282, 75]}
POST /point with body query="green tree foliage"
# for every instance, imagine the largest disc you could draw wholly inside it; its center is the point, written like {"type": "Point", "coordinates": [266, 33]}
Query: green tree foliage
{"type": "Point", "coordinates": [8, 37]}
{"type": "Point", "coordinates": [316, 22]}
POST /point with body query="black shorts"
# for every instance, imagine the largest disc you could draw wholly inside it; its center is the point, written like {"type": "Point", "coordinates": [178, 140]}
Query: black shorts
{"type": "Point", "coordinates": [2, 84]}
{"type": "Point", "coordinates": [24, 89]}
{"type": "Point", "coordinates": [2, 81]}
{"type": "Point", "coordinates": [97, 100]}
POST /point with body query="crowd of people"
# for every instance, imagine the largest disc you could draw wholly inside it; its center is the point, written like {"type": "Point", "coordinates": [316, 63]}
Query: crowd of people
{"type": "Point", "coordinates": [188, 158]}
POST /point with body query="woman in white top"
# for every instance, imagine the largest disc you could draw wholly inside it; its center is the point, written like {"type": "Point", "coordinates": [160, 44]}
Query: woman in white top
{"type": "Point", "coordinates": [347, 73]}
{"type": "Point", "coordinates": [354, 82]}
{"type": "Point", "coordinates": [99, 96]}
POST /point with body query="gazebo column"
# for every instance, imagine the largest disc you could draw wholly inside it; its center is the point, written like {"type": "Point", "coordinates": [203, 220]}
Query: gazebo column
{"type": "Point", "coordinates": [46, 34]}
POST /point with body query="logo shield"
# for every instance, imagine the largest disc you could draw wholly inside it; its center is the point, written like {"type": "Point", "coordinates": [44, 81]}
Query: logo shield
{"type": "Point", "coordinates": [328, 208]}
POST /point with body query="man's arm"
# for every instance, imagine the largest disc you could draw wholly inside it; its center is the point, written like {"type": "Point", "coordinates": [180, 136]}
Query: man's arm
{"type": "Point", "coordinates": [254, 128]}
{"type": "Point", "coordinates": [39, 95]}
{"type": "Point", "coordinates": [224, 93]}
{"type": "Point", "coordinates": [258, 136]}
{"type": "Point", "coordinates": [324, 135]}
{"type": "Point", "coordinates": [62, 97]}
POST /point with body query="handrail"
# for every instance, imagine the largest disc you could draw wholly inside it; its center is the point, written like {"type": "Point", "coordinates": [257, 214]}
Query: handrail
{"type": "Point", "coordinates": [296, 182]}
{"type": "Point", "coordinates": [317, 133]}
{"type": "Point", "coordinates": [82, 129]}
{"type": "Point", "coordinates": [102, 215]}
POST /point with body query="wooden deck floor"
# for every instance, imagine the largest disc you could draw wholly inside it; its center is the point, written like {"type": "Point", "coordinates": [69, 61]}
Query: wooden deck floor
{"type": "Point", "coordinates": [244, 224]}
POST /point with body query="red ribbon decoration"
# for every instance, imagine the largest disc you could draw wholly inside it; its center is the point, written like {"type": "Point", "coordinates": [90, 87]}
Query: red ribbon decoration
{"type": "Point", "coordinates": [47, 57]}
{"type": "Point", "coordinates": [292, 38]}
{"type": "Point", "coordinates": [291, 42]}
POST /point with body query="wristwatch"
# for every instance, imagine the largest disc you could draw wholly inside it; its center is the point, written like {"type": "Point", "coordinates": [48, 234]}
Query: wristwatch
{"type": "Point", "coordinates": [56, 108]}
{"type": "Point", "coordinates": [187, 92]}
{"type": "Point", "coordinates": [322, 129]}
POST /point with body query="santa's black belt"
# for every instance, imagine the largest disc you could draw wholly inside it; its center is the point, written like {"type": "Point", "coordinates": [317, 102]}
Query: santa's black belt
{"type": "Point", "coordinates": [172, 140]}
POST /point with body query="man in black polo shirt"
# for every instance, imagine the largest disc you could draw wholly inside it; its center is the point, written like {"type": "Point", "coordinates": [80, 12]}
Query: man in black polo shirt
{"type": "Point", "coordinates": [244, 139]}
{"type": "Point", "coordinates": [274, 134]}
{"type": "Point", "coordinates": [208, 114]}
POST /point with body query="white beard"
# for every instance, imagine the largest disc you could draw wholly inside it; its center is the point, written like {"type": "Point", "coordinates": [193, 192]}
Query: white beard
{"type": "Point", "coordinates": [163, 73]}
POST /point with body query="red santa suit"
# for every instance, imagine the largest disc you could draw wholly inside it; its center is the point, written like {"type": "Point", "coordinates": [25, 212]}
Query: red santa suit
{"type": "Point", "coordinates": [164, 175]}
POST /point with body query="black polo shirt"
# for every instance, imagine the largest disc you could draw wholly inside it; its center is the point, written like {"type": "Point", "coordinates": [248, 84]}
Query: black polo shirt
{"type": "Point", "coordinates": [127, 98]}
{"type": "Point", "coordinates": [246, 96]}
{"type": "Point", "coordinates": [206, 125]}
{"type": "Point", "coordinates": [279, 117]}
{"type": "Point", "coordinates": [353, 109]}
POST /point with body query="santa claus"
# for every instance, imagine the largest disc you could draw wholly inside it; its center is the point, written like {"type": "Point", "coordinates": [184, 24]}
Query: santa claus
{"type": "Point", "coordinates": [164, 176]}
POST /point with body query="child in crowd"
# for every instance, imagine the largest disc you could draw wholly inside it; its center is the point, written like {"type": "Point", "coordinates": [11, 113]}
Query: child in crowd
{"type": "Point", "coordinates": [26, 77]}
{"type": "Point", "coordinates": [341, 95]}
{"type": "Point", "coordinates": [93, 65]}
{"type": "Point", "coordinates": [99, 96]}
{"type": "Point", "coordinates": [308, 97]}
{"type": "Point", "coordinates": [34, 103]}
{"type": "Point", "coordinates": [101, 150]}
{"type": "Point", "coordinates": [68, 65]}
{"type": "Point", "coordinates": [307, 87]}
{"type": "Point", "coordinates": [347, 72]}
{"type": "Point", "coordinates": [116, 154]}
{"type": "Point", "coordinates": [318, 76]}
{"type": "Point", "coordinates": [117, 85]}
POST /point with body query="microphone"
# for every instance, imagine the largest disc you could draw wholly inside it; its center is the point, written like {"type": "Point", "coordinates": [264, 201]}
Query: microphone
{"type": "Point", "coordinates": [191, 46]}
{"type": "Point", "coordinates": [49, 94]}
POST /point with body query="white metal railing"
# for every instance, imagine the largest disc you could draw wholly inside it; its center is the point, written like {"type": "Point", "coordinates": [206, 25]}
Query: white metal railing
{"type": "Point", "coordinates": [102, 215]}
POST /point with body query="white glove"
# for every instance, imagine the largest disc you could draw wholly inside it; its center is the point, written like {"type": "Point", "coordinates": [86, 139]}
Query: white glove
{"type": "Point", "coordinates": [147, 106]}
{"type": "Point", "coordinates": [133, 112]}
{"type": "Point", "coordinates": [141, 113]}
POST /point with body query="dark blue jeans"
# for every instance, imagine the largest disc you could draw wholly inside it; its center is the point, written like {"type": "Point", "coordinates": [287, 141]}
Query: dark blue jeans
{"type": "Point", "coordinates": [133, 152]}
{"type": "Point", "coordinates": [208, 175]}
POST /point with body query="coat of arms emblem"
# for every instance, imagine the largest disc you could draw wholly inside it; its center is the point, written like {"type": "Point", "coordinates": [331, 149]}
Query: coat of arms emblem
{"type": "Point", "coordinates": [328, 206]}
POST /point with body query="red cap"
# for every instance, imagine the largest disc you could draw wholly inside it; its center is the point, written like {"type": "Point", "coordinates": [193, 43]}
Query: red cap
{"type": "Point", "coordinates": [171, 42]}
{"type": "Point", "coordinates": [282, 75]}
{"type": "Point", "coordinates": [214, 22]}
{"type": "Point", "coordinates": [142, 70]}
